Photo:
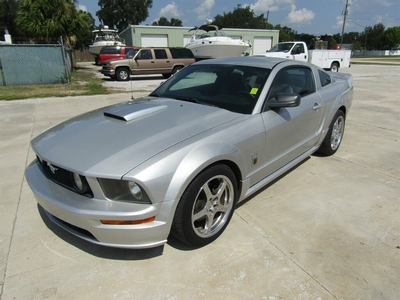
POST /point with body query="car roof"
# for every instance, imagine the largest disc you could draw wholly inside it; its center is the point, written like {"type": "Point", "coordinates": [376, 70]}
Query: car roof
{"type": "Point", "coordinates": [252, 61]}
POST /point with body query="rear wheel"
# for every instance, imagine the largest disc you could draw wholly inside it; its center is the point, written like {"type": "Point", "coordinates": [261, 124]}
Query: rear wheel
{"type": "Point", "coordinates": [176, 69]}
{"type": "Point", "coordinates": [334, 137]}
{"type": "Point", "coordinates": [122, 74]}
{"type": "Point", "coordinates": [206, 206]}
{"type": "Point", "coordinates": [334, 67]}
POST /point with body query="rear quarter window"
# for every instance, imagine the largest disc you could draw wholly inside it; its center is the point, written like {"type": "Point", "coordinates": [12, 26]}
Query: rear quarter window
{"type": "Point", "coordinates": [181, 53]}
{"type": "Point", "coordinates": [160, 53]}
{"type": "Point", "coordinates": [110, 50]}
{"type": "Point", "coordinates": [324, 78]}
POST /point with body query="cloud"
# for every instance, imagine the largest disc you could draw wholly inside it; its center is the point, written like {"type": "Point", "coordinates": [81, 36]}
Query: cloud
{"type": "Point", "coordinates": [170, 11]}
{"type": "Point", "coordinates": [203, 11]}
{"type": "Point", "coordinates": [82, 7]}
{"type": "Point", "coordinates": [262, 6]}
{"type": "Point", "coordinates": [299, 16]}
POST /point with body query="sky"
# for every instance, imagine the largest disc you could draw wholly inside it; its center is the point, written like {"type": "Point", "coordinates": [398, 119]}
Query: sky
{"type": "Point", "coordinates": [318, 17]}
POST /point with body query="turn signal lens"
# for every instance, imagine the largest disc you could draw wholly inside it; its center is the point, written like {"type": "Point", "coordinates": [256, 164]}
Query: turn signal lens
{"type": "Point", "coordinates": [127, 222]}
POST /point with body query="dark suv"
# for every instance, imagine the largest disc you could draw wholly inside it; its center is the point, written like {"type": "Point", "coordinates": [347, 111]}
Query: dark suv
{"type": "Point", "coordinates": [114, 52]}
{"type": "Point", "coordinates": [165, 61]}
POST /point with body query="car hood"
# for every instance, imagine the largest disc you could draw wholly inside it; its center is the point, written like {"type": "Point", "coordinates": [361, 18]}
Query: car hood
{"type": "Point", "coordinates": [111, 141]}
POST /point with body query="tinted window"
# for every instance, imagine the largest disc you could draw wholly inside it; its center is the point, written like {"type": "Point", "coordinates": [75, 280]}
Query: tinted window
{"type": "Point", "coordinates": [235, 88]}
{"type": "Point", "coordinates": [181, 53]}
{"type": "Point", "coordinates": [298, 49]}
{"type": "Point", "coordinates": [144, 54]}
{"type": "Point", "coordinates": [160, 54]}
{"type": "Point", "coordinates": [110, 50]}
{"type": "Point", "coordinates": [325, 78]}
{"type": "Point", "coordinates": [296, 80]}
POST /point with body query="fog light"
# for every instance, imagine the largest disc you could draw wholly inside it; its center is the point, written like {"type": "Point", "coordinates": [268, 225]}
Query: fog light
{"type": "Point", "coordinates": [78, 182]}
{"type": "Point", "coordinates": [135, 190]}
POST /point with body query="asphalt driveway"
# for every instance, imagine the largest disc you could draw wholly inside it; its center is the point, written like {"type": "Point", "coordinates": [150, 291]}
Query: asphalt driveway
{"type": "Point", "coordinates": [329, 229]}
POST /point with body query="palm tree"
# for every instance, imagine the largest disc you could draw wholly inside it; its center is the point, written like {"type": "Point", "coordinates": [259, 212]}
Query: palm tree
{"type": "Point", "coordinates": [49, 19]}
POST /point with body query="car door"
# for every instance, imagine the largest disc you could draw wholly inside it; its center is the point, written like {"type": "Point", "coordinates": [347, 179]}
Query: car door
{"type": "Point", "coordinates": [299, 53]}
{"type": "Point", "coordinates": [291, 131]}
{"type": "Point", "coordinates": [143, 62]}
{"type": "Point", "coordinates": [162, 63]}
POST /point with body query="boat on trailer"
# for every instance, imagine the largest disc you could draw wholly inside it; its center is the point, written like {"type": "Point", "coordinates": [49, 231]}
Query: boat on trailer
{"type": "Point", "coordinates": [104, 37]}
{"type": "Point", "coordinates": [208, 41]}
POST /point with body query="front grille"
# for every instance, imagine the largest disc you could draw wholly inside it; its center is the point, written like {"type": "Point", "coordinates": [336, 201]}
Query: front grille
{"type": "Point", "coordinates": [62, 177]}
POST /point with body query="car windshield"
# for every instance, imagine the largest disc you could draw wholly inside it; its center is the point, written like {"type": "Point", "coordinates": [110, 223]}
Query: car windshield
{"type": "Point", "coordinates": [283, 47]}
{"type": "Point", "coordinates": [235, 88]}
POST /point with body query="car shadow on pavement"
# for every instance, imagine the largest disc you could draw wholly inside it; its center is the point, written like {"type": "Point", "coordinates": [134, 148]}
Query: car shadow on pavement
{"type": "Point", "coordinates": [271, 183]}
{"type": "Point", "coordinates": [137, 78]}
{"type": "Point", "coordinates": [98, 250]}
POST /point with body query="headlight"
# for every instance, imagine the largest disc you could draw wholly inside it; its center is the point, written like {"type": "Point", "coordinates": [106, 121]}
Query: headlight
{"type": "Point", "coordinates": [123, 190]}
{"type": "Point", "coordinates": [135, 190]}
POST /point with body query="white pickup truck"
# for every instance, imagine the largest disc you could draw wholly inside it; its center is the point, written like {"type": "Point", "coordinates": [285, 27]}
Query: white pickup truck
{"type": "Point", "coordinates": [327, 59]}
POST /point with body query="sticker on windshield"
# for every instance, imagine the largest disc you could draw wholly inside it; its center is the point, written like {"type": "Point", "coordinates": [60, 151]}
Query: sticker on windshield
{"type": "Point", "coordinates": [253, 91]}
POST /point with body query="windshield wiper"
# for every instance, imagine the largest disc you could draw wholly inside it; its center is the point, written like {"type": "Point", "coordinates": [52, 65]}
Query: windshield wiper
{"type": "Point", "coordinates": [193, 100]}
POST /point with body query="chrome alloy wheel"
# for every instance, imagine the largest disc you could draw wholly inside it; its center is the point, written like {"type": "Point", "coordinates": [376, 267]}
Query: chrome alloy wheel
{"type": "Point", "coordinates": [337, 133]}
{"type": "Point", "coordinates": [212, 206]}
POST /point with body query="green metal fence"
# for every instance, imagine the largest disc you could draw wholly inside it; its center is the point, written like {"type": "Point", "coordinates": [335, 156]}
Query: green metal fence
{"type": "Point", "coordinates": [34, 64]}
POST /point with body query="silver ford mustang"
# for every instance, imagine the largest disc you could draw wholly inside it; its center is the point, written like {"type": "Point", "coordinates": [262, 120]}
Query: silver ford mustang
{"type": "Point", "coordinates": [179, 160]}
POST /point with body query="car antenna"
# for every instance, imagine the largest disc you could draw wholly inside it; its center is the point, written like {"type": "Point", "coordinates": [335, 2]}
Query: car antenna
{"type": "Point", "coordinates": [131, 88]}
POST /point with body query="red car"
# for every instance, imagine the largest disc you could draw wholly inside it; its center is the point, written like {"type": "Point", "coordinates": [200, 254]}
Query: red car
{"type": "Point", "coordinates": [114, 52]}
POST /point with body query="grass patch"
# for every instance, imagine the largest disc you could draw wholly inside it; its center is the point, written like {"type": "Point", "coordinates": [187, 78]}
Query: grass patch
{"type": "Point", "coordinates": [81, 83]}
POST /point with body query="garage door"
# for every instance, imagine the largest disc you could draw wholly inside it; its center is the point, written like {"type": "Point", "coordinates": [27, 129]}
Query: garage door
{"type": "Point", "coordinates": [186, 39]}
{"type": "Point", "coordinates": [262, 44]}
{"type": "Point", "coordinates": [154, 40]}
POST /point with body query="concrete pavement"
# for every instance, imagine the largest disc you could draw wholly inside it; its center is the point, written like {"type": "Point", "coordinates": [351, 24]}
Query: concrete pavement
{"type": "Point", "coordinates": [329, 229]}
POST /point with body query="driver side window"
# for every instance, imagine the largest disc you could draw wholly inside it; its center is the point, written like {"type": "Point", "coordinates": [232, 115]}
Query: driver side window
{"type": "Point", "coordinates": [294, 80]}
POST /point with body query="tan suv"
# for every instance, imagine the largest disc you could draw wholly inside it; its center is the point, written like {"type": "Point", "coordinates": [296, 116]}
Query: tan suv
{"type": "Point", "coordinates": [144, 61]}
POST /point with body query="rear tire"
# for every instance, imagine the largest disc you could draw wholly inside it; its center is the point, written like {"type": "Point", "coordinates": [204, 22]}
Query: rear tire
{"type": "Point", "coordinates": [334, 136]}
{"type": "Point", "coordinates": [176, 69]}
{"type": "Point", "coordinates": [334, 67]}
{"type": "Point", "coordinates": [122, 74]}
{"type": "Point", "coordinates": [206, 206]}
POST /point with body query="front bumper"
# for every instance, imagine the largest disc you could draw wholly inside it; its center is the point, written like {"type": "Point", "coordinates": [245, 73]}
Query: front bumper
{"type": "Point", "coordinates": [81, 215]}
{"type": "Point", "coordinates": [107, 71]}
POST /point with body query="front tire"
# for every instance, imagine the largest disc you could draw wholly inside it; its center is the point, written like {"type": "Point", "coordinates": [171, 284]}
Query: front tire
{"type": "Point", "coordinates": [334, 136]}
{"type": "Point", "coordinates": [122, 74]}
{"type": "Point", "coordinates": [206, 206]}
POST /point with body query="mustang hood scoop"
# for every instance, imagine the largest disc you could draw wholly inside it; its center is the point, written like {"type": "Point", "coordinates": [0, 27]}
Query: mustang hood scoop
{"type": "Point", "coordinates": [130, 112]}
{"type": "Point", "coordinates": [110, 141]}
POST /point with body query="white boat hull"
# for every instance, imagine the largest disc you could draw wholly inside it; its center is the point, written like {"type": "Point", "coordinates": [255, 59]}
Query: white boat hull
{"type": "Point", "coordinates": [96, 47]}
{"type": "Point", "coordinates": [215, 48]}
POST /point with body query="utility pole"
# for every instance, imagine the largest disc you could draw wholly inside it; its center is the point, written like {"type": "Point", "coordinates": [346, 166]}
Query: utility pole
{"type": "Point", "coordinates": [345, 13]}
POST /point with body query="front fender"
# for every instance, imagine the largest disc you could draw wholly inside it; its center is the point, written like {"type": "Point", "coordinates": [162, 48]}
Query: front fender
{"type": "Point", "coordinates": [199, 159]}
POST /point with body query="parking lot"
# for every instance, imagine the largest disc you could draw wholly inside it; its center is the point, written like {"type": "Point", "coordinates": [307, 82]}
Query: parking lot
{"type": "Point", "coordinates": [329, 229]}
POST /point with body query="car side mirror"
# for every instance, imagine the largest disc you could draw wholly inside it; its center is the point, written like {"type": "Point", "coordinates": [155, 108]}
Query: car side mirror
{"type": "Point", "coordinates": [284, 100]}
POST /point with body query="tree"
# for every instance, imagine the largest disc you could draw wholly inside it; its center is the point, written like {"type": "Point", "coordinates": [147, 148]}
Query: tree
{"type": "Point", "coordinates": [285, 33]}
{"type": "Point", "coordinates": [120, 14]}
{"type": "Point", "coordinates": [391, 38]}
{"type": "Point", "coordinates": [241, 17]}
{"type": "Point", "coordinates": [8, 15]}
{"type": "Point", "coordinates": [84, 35]}
{"type": "Point", "coordinates": [162, 21]}
{"type": "Point", "coordinates": [46, 21]}
{"type": "Point", "coordinates": [373, 36]}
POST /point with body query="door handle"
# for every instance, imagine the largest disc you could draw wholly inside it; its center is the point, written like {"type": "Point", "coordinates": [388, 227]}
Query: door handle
{"type": "Point", "coordinates": [317, 106]}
